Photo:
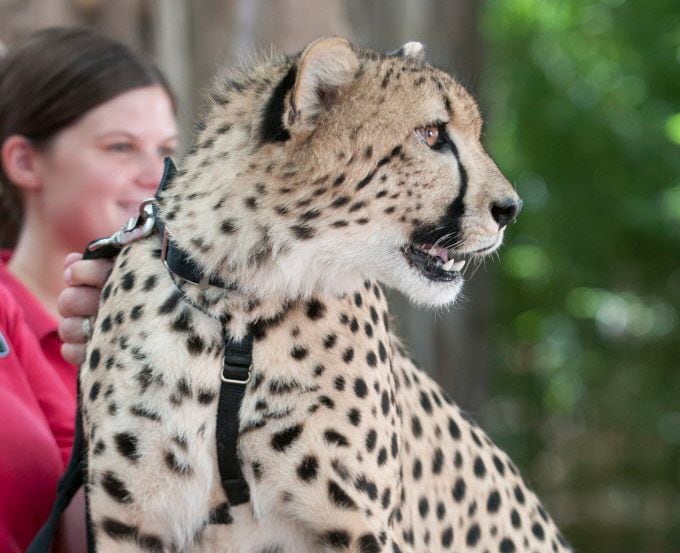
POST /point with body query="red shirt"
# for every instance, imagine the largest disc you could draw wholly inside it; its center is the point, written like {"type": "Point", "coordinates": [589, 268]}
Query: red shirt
{"type": "Point", "coordinates": [37, 408]}
{"type": "Point", "coordinates": [42, 324]}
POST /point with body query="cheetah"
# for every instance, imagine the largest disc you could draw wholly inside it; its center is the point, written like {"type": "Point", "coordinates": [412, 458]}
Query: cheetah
{"type": "Point", "coordinates": [315, 179]}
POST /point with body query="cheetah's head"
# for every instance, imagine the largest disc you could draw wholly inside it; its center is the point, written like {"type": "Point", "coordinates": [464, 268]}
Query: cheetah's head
{"type": "Point", "coordinates": [317, 172]}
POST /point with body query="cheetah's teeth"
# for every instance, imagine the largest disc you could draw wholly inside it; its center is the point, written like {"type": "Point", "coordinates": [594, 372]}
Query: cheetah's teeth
{"type": "Point", "coordinates": [453, 265]}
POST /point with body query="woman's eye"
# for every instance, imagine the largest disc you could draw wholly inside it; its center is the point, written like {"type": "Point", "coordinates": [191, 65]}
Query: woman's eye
{"type": "Point", "coordinates": [122, 147]}
{"type": "Point", "coordinates": [431, 135]}
{"type": "Point", "coordinates": [167, 151]}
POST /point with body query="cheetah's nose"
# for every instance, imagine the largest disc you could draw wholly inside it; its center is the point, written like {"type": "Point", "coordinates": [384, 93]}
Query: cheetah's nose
{"type": "Point", "coordinates": [506, 211]}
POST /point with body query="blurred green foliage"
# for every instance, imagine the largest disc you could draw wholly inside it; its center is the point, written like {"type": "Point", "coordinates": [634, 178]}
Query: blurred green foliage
{"type": "Point", "coordinates": [584, 98]}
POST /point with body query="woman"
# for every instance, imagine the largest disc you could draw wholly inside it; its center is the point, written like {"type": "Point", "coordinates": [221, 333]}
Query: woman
{"type": "Point", "coordinates": [84, 127]}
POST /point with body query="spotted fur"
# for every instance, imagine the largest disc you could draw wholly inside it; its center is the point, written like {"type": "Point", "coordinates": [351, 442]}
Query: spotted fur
{"type": "Point", "coordinates": [306, 187]}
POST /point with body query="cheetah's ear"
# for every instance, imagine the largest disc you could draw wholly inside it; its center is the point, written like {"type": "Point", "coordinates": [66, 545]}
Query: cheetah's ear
{"type": "Point", "coordinates": [325, 68]}
{"type": "Point", "coordinates": [413, 50]}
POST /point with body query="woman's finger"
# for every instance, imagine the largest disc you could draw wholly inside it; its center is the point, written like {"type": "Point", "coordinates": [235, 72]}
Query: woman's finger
{"type": "Point", "coordinates": [71, 330]}
{"type": "Point", "coordinates": [72, 258]}
{"type": "Point", "coordinates": [78, 301]}
{"type": "Point", "coordinates": [88, 272]}
{"type": "Point", "coordinates": [73, 353]}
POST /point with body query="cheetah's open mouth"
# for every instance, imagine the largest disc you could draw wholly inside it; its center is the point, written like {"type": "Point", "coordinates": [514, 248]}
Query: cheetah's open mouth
{"type": "Point", "coordinates": [434, 262]}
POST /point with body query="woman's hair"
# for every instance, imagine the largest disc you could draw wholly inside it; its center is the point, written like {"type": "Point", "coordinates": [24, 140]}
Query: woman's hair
{"type": "Point", "coordinates": [51, 80]}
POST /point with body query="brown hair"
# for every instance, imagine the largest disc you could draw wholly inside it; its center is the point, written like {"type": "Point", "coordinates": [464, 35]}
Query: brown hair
{"type": "Point", "coordinates": [51, 80]}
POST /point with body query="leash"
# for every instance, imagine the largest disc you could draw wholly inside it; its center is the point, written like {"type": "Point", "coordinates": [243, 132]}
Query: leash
{"type": "Point", "coordinates": [234, 376]}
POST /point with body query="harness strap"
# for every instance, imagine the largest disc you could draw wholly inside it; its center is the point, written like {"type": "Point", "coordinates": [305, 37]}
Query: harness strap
{"type": "Point", "coordinates": [236, 369]}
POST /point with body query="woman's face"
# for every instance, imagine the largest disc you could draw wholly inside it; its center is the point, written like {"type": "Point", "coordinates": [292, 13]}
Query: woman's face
{"type": "Point", "coordinates": [95, 173]}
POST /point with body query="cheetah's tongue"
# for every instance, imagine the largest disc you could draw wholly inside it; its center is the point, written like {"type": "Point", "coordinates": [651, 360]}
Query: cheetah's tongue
{"type": "Point", "coordinates": [443, 254]}
{"type": "Point", "coordinates": [435, 251]}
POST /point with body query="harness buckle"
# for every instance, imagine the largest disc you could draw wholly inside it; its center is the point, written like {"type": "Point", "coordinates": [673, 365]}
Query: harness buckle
{"type": "Point", "coordinates": [231, 380]}
{"type": "Point", "coordinates": [136, 228]}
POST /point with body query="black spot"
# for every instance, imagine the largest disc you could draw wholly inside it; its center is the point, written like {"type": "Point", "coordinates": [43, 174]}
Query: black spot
{"type": "Point", "coordinates": [494, 501]}
{"type": "Point", "coordinates": [537, 530]}
{"type": "Point", "coordinates": [354, 416]}
{"type": "Point", "coordinates": [507, 546]}
{"type": "Point", "coordinates": [315, 309]}
{"type": "Point", "coordinates": [303, 232]}
{"type": "Point", "coordinates": [257, 470]}
{"type": "Point", "coordinates": [369, 544]}
{"type": "Point", "coordinates": [416, 427]}
{"type": "Point", "coordinates": [348, 355]}
{"type": "Point", "coordinates": [385, 402]}
{"type": "Point", "coordinates": [137, 312]}
{"type": "Point", "coordinates": [515, 519]}
{"type": "Point", "coordinates": [195, 344]}
{"type": "Point", "coordinates": [339, 497]}
{"type": "Point", "coordinates": [371, 440]}
{"type": "Point", "coordinates": [106, 324]}
{"type": "Point", "coordinates": [170, 303]}
{"type": "Point", "coordinates": [141, 411]}
{"type": "Point", "coordinates": [340, 201]}
{"type": "Point", "coordinates": [228, 226]}
{"type": "Point", "coordinates": [205, 396]}
{"type": "Point", "coordinates": [339, 383]}
{"type": "Point", "coordinates": [371, 359]}
{"type": "Point", "coordinates": [447, 537]}
{"type": "Point", "coordinates": [479, 468]}
{"type": "Point", "coordinates": [473, 535]}
{"type": "Point", "coordinates": [175, 465]}
{"type": "Point", "coordinates": [127, 281]}
{"type": "Point", "coordinates": [382, 456]}
{"type": "Point", "coordinates": [115, 487]}
{"type": "Point", "coordinates": [150, 543]}
{"type": "Point", "coordinates": [519, 495]}
{"type": "Point", "coordinates": [329, 341]}
{"type": "Point", "coordinates": [337, 539]}
{"type": "Point", "coordinates": [282, 440]}
{"type": "Point", "coordinates": [334, 437]}
{"type": "Point", "coordinates": [94, 391]}
{"type": "Point", "coordinates": [299, 353]}
{"type": "Point", "coordinates": [458, 491]}
{"type": "Point", "coordinates": [369, 488]}
{"type": "Point", "coordinates": [454, 430]}
{"type": "Point", "coordinates": [382, 352]}
{"type": "Point", "coordinates": [360, 388]}
{"type": "Point", "coordinates": [95, 357]}
{"type": "Point", "coordinates": [358, 301]}
{"type": "Point", "coordinates": [425, 402]}
{"type": "Point", "coordinates": [126, 444]}
{"type": "Point", "coordinates": [417, 469]}
{"type": "Point", "coordinates": [308, 469]}
{"type": "Point", "coordinates": [423, 507]}
{"type": "Point", "coordinates": [118, 531]}
{"type": "Point", "coordinates": [150, 283]}
{"type": "Point", "coordinates": [221, 514]}
{"type": "Point", "coordinates": [394, 445]}
{"type": "Point", "coordinates": [437, 461]}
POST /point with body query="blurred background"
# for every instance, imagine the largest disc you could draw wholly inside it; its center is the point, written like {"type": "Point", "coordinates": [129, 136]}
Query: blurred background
{"type": "Point", "coordinates": [567, 348]}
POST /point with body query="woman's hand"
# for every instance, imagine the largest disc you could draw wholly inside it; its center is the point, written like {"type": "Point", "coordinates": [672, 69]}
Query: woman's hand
{"type": "Point", "coordinates": [79, 301]}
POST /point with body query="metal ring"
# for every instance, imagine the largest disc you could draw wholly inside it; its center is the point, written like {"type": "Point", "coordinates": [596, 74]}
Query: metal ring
{"type": "Point", "coordinates": [87, 327]}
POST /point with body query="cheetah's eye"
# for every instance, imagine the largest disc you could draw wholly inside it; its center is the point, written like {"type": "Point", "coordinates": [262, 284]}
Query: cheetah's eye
{"type": "Point", "coordinates": [433, 135]}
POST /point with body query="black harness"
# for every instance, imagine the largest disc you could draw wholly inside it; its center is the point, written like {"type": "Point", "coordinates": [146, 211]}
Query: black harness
{"type": "Point", "coordinates": [235, 375]}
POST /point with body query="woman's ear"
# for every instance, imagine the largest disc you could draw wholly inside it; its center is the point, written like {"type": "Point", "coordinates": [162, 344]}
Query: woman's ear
{"type": "Point", "coordinates": [20, 162]}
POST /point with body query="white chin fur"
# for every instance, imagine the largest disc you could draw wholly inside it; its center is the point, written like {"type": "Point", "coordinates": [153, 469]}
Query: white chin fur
{"type": "Point", "coordinates": [420, 290]}
{"type": "Point", "coordinates": [341, 267]}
